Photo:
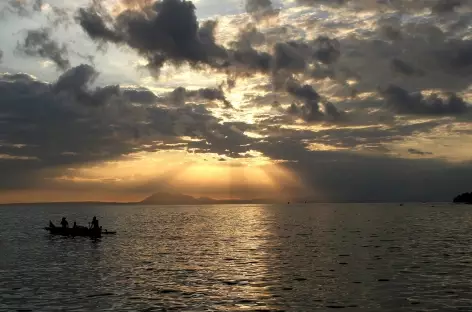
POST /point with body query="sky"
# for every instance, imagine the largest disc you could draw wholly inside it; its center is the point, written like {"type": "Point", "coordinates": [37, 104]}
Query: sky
{"type": "Point", "coordinates": [332, 100]}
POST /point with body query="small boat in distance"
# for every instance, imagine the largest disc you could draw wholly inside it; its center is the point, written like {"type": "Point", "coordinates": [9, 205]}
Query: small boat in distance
{"type": "Point", "coordinates": [77, 230]}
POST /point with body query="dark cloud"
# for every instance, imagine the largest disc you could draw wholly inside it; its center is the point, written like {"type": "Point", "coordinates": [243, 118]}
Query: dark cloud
{"type": "Point", "coordinates": [291, 57]}
{"type": "Point", "coordinates": [434, 6]}
{"type": "Point", "coordinates": [75, 85]}
{"type": "Point", "coordinates": [403, 102]}
{"type": "Point", "coordinates": [38, 5]}
{"type": "Point", "coordinates": [311, 108]}
{"type": "Point", "coordinates": [93, 20]}
{"type": "Point", "coordinates": [180, 96]}
{"type": "Point", "coordinates": [419, 54]}
{"type": "Point", "coordinates": [323, 2]}
{"type": "Point", "coordinates": [260, 9]}
{"type": "Point", "coordinates": [248, 37]}
{"type": "Point", "coordinates": [415, 151]}
{"type": "Point", "coordinates": [350, 176]}
{"type": "Point", "coordinates": [141, 96]}
{"type": "Point", "coordinates": [326, 50]}
{"type": "Point", "coordinates": [295, 56]}
{"type": "Point", "coordinates": [446, 6]}
{"type": "Point", "coordinates": [51, 126]}
{"type": "Point", "coordinates": [39, 43]}
{"type": "Point", "coordinates": [167, 31]}
{"type": "Point", "coordinates": [404, 68]}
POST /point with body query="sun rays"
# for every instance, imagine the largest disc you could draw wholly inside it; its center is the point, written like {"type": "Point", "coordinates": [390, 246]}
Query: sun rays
{"type": "Point", "coordinates": [194, 174]}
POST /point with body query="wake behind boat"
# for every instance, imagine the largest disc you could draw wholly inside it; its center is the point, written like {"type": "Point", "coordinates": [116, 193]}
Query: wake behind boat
{"type": "Point", "coordinates": [93, 231]}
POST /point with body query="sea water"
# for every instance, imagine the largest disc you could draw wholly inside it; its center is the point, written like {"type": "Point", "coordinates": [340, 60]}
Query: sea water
{"type": "Point", "coordinates": [308, 257]}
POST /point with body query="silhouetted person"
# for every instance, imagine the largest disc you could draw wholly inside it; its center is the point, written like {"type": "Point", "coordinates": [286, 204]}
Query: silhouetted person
{"type": "Point", "coordinates": [95, 223]}
{"type": "Point", "coordinates": [64, 223]}
{"type": "Point", "coordinates": [75, 225]}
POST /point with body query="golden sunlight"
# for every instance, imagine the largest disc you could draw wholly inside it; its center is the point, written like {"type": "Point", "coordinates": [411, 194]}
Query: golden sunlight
{"type": "Point", "coordinates": [210, 175]}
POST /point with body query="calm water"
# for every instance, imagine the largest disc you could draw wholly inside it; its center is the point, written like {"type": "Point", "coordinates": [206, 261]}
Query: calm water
{"type": "Point", "coordinates": [355, 257]}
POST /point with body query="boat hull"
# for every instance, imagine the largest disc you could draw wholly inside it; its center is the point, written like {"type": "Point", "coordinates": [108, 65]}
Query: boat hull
{"type": "Point", "coordinates": [85, 232]}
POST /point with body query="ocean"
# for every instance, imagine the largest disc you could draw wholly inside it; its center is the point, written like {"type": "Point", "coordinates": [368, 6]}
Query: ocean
{"type": "Point", "coordinates": [307, 257]}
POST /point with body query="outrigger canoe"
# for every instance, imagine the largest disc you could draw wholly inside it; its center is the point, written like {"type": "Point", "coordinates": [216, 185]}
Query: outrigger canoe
{"type": "Point", "coordinates": [77, 231]}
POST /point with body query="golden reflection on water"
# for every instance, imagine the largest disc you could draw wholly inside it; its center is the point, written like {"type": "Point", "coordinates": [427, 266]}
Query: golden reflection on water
{"type": "Point", "coordinates": [362, 257]}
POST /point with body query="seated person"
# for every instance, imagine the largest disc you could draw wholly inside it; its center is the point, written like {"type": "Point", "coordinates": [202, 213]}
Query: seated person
{"type": "Point", "coordinates": [64, 223]}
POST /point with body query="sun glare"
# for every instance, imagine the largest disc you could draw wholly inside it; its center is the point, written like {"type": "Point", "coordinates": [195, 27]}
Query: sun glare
{"type": "Point", "coordinates": [252, 176]}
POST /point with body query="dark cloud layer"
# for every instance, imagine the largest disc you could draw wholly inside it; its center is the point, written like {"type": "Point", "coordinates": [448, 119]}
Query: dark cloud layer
{"type": "Point", "coordinates": [434, 6]}
{"type": "Point", "coordinates": [69, 122]}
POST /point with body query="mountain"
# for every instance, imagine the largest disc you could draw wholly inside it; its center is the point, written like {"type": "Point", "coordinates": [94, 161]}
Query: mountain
{"type": "Point", "coordinates": [464, 198]}
{"type": "Point", "coordinates": [162, 198]}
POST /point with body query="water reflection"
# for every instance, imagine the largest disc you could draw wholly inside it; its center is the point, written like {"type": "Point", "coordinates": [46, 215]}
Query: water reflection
{"type": "Point", "coordinates": [222, 258]}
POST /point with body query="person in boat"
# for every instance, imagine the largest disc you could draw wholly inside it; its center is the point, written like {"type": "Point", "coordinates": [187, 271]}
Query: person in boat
{"type": "Point", "coordinates": [75, 225]}
{"type": "Point", "coordinates": [95, 224]}
{"type": "Point", "coordinates": [64, 223]}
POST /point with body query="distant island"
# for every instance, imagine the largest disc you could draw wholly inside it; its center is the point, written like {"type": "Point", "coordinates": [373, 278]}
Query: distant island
{"type": "Point", "coordinates": [162, 198]}
{"type": "Point", "coordinates": [464, 198]}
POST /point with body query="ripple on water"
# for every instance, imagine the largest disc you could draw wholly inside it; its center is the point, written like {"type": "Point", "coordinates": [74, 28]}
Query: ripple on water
{"type": "Point", "coordinates": [245, 258]}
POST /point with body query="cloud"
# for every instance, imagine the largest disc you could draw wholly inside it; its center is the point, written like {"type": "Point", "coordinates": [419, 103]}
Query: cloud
{"type": "Point", "coordinates": [403, 102]}
{"type": "Point", "coordinates": [310, 110]}
{"type": "Point", "coordinates": [336, 89]}
{"type": "Point", "coordinates": [18, 7]}
{"type": "Point", "coordinates": [135, 4]}
{"type": "Point", "coordinates": [414, 151]}
{"type": "Point", "coordinates": [140, 95]}
{"type": "Point", "coordinates": [347, 175]}
{"type": "Point", "coordinates": [167, 31]}
{"type": "Point", "coordinates": [181, 96]}
{"type": "Point", "coordinates": [260, 9]}
{"type": "Point", "coordinates": [39, 43]}
{"type": "Point", "coordinates": [38, 5]}
{"type": "Point", "coordinates": [404, 68]}
{"type": "Point", "coordinates": [434, 6]}
{"type": "Point", "coordinates": [74, 85]}
{"type": "Point", "coordinates": [28, 8]}
{"type": "Point", "coordinates": [46, 127]}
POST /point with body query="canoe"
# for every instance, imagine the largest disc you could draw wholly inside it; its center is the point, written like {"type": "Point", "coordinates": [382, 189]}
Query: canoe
{"type": "Point", "coordinates": [78, 231]}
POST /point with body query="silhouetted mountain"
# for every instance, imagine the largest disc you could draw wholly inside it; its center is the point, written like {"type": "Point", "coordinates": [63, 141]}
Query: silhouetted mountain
{"type": "Point", "coordinates": [464, 198]}
{"type": "Point", "coordinates": [162, 198]}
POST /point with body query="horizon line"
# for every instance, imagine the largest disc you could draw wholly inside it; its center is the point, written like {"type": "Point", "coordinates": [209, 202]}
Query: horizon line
{"type": "Point", "coordinates": [226, 202]}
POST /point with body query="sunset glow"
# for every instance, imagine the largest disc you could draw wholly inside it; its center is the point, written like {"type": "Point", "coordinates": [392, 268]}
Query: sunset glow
{"type": "Point", "coordinates": [242, 99]}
